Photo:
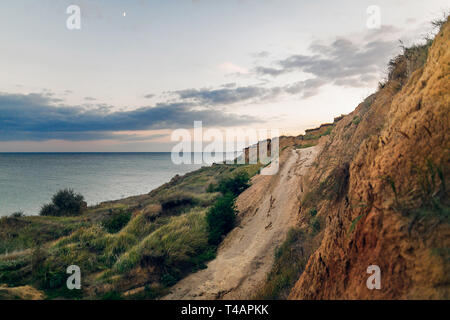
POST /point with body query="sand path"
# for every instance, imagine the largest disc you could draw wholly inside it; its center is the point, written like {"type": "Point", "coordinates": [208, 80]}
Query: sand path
{"type": "Point", "coordinates": [267, 210]}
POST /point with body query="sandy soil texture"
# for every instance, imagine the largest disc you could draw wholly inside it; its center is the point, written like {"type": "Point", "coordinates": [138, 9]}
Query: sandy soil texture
{"type": "Point", "coordinates": [267, 210]}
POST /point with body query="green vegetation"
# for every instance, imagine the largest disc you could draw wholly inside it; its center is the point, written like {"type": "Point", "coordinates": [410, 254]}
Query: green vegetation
{"type": "Point", "coordinates": [326, 132]}
{"type": "Point", "coordinates": [221, 217]}
{"type": "Point", "coordinates": [433, 193]}
{"type": "Point", "coordinates": [162, 235]}
{"type": "Point", "coordinates": [116, 222]}
{"type": "Point", "coordinates": [315, 224]}
{"type": "Point", "coordinates": [235, 184]}
{"type": "Point", "coordinates": [304, 146]}
{"type": "Point", "coordinates": [21, 233]}
{"type": "Point", "coordinates": [178, 202]}
{"type": "Point", "coordinates": [112, 295]}
{"type": "Point", "coordinates": [173, 248]}
{"type": "Point", "coordinates": [290, 261]}
{"type": "Point", "coordinates": [17, 214]}
{"type": "Point", "coordinates": [354, 223]}
{"type": "Point", "coordinates": [64, 203]}
{"type": "Point", "coordinates": [428, 198]}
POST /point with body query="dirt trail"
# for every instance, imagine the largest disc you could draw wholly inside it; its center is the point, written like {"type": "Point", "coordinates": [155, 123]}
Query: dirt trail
{"type": "Point", "coordinates": [267, 210]}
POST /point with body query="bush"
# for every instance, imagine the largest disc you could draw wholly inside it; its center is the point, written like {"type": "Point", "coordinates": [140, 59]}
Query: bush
{"type": "Point", "coordinates": [168, 280]}
{"type": "Point", "coordinates": [115, 223]}
{"type": "Point", "coordinates": [49, 210]}
{"type": "Point", "coordinates": [68, 202]}
{"type": "Point", "coordinates": [221, 218]}
{"type": "Point", "coordinates": [17, 214]}
{"type": "Point", "coordinates": [64, 203]}
{"type": "Point", "coordinates": [234, 185]}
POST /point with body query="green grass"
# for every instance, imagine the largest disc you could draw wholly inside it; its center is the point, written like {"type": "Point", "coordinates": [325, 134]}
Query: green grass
{"type": "Point", "coordinates": [22, 233]}
{"type": "Point", "coordinates": [165, 230]}
{"type": "Point", "coordinates": [221, 218]}
{"type": "Point", "coordinates": [326, 132]}
{"type": "Point", "coordinates": [173, 245]}
{"type": "Point", "coordinates": [116, 222]}
{"type": "Point", "coordinates": [290, 261]}
{"type": "Point", "coordinates": [304, 146]}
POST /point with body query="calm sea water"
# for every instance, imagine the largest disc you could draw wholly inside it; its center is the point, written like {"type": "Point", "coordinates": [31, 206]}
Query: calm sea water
{"type": "Point", "coordinates": [28, 180]}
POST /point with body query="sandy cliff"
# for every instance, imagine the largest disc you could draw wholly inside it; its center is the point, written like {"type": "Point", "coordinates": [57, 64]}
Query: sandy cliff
{"type": "Point", "coordinates": [380, 186]}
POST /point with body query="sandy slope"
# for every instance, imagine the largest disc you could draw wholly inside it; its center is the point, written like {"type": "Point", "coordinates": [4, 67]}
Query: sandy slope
{"type": "Point", "coordinates": [267, 210]}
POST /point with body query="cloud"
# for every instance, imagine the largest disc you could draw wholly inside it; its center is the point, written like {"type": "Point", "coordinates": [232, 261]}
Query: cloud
{"type": "Point", "coordinates": [89, 99]}
{"type": "Point", "coordinates": [149, 96]}
{"type": "Point", "coordinates": [341, 62]}
{"type": "Point", "coordinates": [231, 94]}
{"type": "Point", "coordinates": [224, 96]}
{"type": "Point", "coordinates": [229, 67]}
{"type": "Point", "coordinates": [36, 117]}
{"type": "Point", "coordinates": [306, 88]}
{"type": "Point", "coordinates": [261, 54]}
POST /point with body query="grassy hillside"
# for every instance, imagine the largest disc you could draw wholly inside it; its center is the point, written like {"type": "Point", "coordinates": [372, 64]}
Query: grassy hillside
{"type": "Point", "coordinates": [131, 248]}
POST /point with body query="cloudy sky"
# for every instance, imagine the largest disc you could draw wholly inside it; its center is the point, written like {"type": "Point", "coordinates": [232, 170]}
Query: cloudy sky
{"type": "Point", "coordinates": [138, 69]}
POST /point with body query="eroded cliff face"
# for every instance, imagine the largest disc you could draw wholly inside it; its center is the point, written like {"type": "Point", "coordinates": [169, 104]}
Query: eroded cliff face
{"type": "Point", "coordinates": [380, 187]}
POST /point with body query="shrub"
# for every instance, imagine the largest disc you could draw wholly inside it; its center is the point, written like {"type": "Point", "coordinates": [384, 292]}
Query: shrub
{"type": "Point", "coordinates": [64, 203]}
{"type": "Point", "coordinates": [49, 210]}
{"type": "Point", "coordinates": [234, 185]}
{"type": "Point", "coordinates": [221, 218]}
{"type": "Point", "coordinates": [168, 280]}
{"type": "Point", "coordinates": [68, 202]}
{"type": "Point", "coordinates": [115, 223]}
{"type": "Point", "coordinates": [17, 214]}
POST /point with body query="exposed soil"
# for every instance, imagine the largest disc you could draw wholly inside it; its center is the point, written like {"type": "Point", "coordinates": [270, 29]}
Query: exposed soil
{"type": "Point", "coordinates": [267, 210]}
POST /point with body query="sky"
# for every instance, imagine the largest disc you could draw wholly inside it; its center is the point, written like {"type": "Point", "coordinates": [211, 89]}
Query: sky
{"type": "Point", "coordinates": [136, 70]}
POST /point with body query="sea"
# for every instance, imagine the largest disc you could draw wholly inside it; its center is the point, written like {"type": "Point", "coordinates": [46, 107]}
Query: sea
{"type": "Point", "coordinates": [28, 180]}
